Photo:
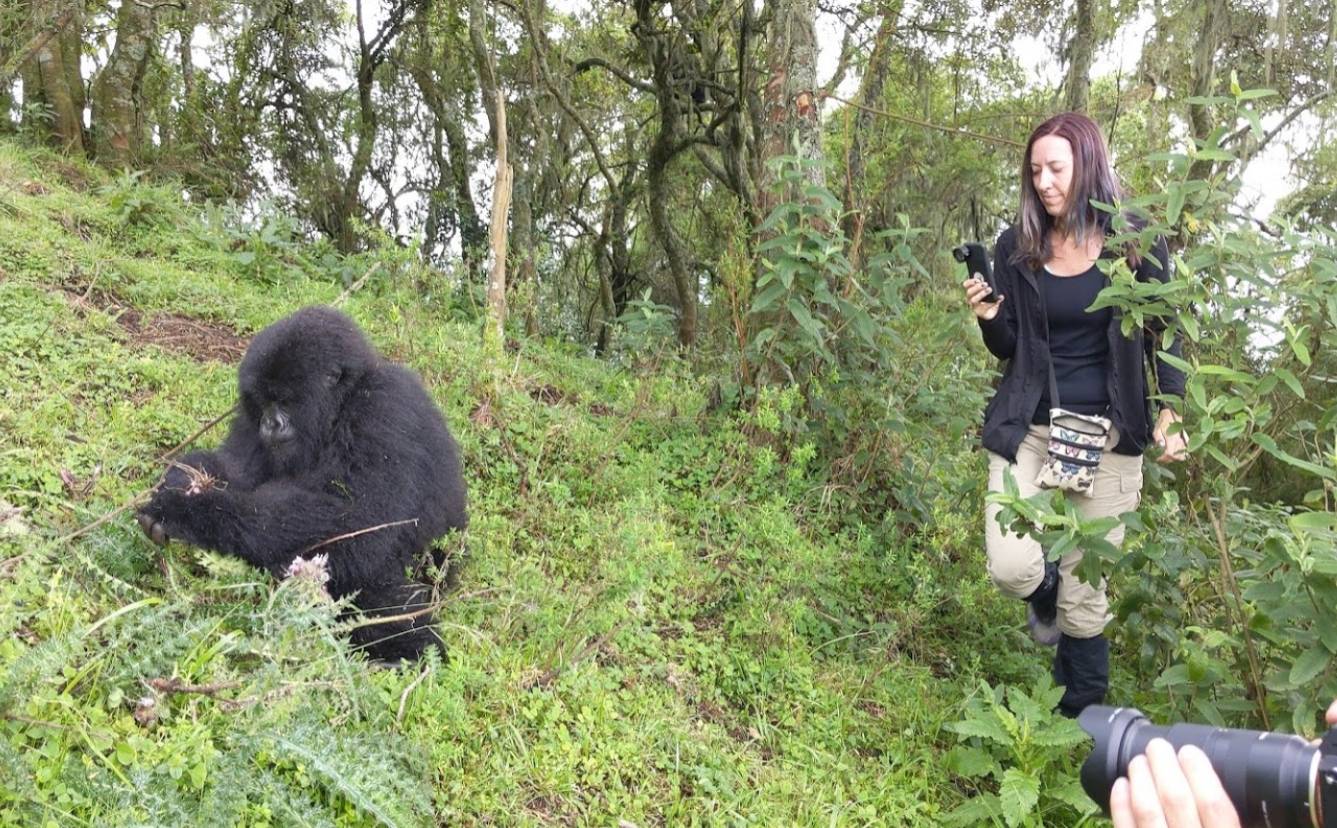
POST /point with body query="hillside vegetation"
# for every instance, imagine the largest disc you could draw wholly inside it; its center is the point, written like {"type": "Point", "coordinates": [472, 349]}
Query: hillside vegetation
{"type": "Point", "coordinates": [660, 621]}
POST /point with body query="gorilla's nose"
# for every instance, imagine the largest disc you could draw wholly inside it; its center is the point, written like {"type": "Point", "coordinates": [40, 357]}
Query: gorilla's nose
{"type": "Point", "coordinates": [274, 425]}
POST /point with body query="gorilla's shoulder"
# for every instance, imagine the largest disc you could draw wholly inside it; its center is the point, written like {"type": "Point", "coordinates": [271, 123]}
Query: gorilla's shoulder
{"type": "Point", "coordinates": [1007, 240]}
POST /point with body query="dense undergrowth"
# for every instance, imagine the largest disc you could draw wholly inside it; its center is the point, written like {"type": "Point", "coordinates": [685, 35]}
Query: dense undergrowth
{"type": "Point", "coordinates": [664, 618]}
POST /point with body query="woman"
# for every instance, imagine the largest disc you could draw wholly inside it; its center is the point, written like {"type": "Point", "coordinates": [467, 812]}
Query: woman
{"type": "Point", "coordinates": [1046, 277]}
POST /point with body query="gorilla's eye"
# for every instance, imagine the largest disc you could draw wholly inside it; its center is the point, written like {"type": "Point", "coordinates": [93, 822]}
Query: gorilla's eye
{"type": "Point", "coordinates": [333, 377]}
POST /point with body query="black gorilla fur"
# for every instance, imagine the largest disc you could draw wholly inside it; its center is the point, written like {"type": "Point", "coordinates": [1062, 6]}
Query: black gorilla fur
{"type": "Point", "coordinates": [330, 438]}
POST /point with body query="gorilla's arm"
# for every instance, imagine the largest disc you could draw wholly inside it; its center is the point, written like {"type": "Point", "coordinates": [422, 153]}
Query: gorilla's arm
{"type": "Point", "coordinates": [272, 524]}
{"type": "Point", "coordinates": [239, 462]}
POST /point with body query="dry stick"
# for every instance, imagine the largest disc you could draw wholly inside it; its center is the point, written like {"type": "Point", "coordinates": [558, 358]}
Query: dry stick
{"type": "Point", "coordinates": [175, 685]}
{"type": "Point", "coordinates": [550, 675]}
{"type": "Point", "coordinates": [404, 697]}
{"type": "Point", "coordinates": [390, 619]}
{"type": "Point", "coordinates": [348, 535]}
{"type": "Point", "coordinates": [354, 287]}
{"type": "Point", "coordinates": [137, 500]}
{"type": "Point", "coordinates": [192, 438]}
{"type": "Point", "coordinates": [142, 497]}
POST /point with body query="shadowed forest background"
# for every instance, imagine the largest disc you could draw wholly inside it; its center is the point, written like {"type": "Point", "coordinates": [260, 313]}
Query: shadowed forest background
{"type": "Point", "coordinates": [678, 275]}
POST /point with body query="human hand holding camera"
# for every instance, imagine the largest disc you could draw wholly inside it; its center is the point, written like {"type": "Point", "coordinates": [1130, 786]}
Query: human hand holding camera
{"type": "Point", "coordinates": [979, 292]}
{"type": "Point", "coordinates": [976, 292]}
{"type": "Point", "coordinates": [1175, 790]}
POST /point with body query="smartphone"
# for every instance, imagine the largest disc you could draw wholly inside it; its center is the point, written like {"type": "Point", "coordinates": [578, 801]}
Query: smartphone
{"type": "Point", "coordinates": [976, 259]}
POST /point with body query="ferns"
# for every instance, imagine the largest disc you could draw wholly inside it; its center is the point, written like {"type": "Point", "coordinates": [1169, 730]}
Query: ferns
{"type": "Point", "coordinates": [258, 717]}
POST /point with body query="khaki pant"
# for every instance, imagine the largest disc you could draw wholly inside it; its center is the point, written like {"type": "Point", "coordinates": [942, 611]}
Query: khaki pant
{"type": "Point", "coordinates": [1016, 563]}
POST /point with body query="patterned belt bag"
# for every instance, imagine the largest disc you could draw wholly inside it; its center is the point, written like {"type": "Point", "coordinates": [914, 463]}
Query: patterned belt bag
{"type": "Point", "coordinates": [1076, 443]}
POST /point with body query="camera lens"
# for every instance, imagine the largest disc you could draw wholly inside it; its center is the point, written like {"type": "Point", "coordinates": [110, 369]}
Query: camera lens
{"type": "Point", "coordinates": [1269, 776]}
{"type": "Point", "coordinates": [960, 253]}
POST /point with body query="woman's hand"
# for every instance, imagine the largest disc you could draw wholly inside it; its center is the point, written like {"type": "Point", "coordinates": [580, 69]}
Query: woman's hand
{"type": "Point", "coordinates": [976, 290]}
{"type": "Point", "coordinates": [1173, 446]}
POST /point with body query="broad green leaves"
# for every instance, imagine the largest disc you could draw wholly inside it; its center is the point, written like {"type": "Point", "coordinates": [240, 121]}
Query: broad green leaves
{"type": "Point", "coordinates": [1018, 752]}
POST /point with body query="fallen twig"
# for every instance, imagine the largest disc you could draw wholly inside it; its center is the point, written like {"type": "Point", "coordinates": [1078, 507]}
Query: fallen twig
{"type": "Point", "coordinates": [354, 287]}
{"type": "Point", "coordinates": [371, 621]}
{"type": "Point", "coordinates": [176, 685]}
{"type": "Point", "coordinates": [192, 438]}
{"type": "Point", "coordinates": [404, 697]}
{"type": "Point", "coordinates": [137, 500]}
{"type": "Point", "coordinates": [354, 534]}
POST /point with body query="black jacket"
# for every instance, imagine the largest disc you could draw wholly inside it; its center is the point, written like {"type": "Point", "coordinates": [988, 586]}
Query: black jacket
{"type": "Point", "coordinates": [1017, 335]}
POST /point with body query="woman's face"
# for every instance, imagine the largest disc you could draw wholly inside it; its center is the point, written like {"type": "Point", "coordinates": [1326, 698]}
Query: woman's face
{"type": "Point", "coordinates": [1051, 172]}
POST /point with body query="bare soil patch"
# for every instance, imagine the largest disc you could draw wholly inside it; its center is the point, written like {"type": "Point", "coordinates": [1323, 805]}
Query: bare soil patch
{"type": "Point", "coordinates": [200, 340]}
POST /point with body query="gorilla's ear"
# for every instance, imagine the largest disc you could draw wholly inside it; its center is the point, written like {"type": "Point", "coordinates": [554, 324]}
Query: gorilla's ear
{"type": "Point", "coordinates": [335, 376]}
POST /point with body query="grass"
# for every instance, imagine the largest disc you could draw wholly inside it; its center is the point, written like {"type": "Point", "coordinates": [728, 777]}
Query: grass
{"type": "Point", "coordinates": [659, 623]}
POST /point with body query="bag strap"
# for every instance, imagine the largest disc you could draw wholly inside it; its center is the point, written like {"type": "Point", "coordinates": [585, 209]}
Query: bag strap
{"type": "Point", "coordinates": [1044, 317]}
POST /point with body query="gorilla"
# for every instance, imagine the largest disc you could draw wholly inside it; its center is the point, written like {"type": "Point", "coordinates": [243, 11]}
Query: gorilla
{"type": "Point", "coordinates": [333, 449]}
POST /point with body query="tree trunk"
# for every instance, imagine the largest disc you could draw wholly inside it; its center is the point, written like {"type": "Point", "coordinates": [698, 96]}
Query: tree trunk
{"type": "Point", "coordinates": [1204, 76]}
{"type": "Point", "coordinates": [1332, 42]}
{"type": "Point", "coordinates": [118, 118]}
{"type": "Point", "coordinates": [46, 78]}
{"type": "Point", "coordinates": [473, 236]}
{"type": "Point", "coordinates": [660, 50]}
{"type": "Point", "coordinates": [791, 122]}
{"type": "Point", "coordinates": [870, 95]}
{"type": "Point", "coordinates": [501, 198]}
{"type": "Point", "coordinates": [1277, 41]}
{"type": "Point", "coordinates": [1081, 49]}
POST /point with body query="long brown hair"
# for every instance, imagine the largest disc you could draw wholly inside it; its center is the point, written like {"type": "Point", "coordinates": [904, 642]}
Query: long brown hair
{"type": "Point", "coordinates": [1092, 178]}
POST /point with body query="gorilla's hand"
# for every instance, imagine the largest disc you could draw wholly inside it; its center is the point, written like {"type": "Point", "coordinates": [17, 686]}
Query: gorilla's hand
{"type": "Point", "coordinates": [185, 512]}
{"type": "Point", "coordinates": [155, 531]}
{"type": "Point", "coordinates": [190, 476]}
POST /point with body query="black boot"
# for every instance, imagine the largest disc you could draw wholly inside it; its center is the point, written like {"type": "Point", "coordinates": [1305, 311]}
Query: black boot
{"type": "Point", "coordinates": [1042, 608]}
{"type": "Point", "coordinates": [1082, 667]}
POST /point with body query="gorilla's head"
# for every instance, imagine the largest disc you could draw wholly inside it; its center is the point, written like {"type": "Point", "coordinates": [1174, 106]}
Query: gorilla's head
{"type": "Point", "coordinates": [295, 378]}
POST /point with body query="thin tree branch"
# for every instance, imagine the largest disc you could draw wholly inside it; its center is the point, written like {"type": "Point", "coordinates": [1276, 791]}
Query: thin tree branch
{"type": "Point", "coordinates": [591, 62]}
{"type": "Point", "coordinates": [964, 133]}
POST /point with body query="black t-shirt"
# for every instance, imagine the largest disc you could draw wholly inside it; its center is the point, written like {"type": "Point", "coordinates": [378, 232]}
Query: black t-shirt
{"type": "Point", "coordinates": [1079, 343]}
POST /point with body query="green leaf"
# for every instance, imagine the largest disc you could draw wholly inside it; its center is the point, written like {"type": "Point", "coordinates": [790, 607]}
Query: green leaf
{"type": "Point", "coordinates": [1255, 123]}
{"type": "Point", "coordinates": [1060, 733]}
{"type": "Point", "coordinates": [767, 296]}
{"type": "Point", "coordinates": [1072, 794]}
{"type": "Point", "coordinates": [1197, 394]}
{"type": "Point", "coordinates": [804, 317]}
{"type": "Point", "coordinates": [1301, 351]}
{"type": "Point", "coordinates": [1177, 674]}
{"type": "Point", "coordinates": [1313, 522]}
{"type": "Point", "coordinates": [981, 810]}
{"type": "Point", "coordinates": [1174, 361]}
{"type": "Point", "coordinates": [1309, 665]}
{"type": "Point", "coordinates": [967, 761]}
{"type": "Point", "coordinates": [984, 728]}
{"type": "Point", "coordinates": [1270, 446]}
{"type": "Point", "coordinates": [1175, 204]}
{"type": "Point", "coordinates": [1018, 795]}
{"type": "Point", "coordinates": [1291, 382]}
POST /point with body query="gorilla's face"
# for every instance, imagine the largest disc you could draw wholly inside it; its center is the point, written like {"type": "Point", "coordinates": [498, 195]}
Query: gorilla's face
{"type": "Point", "coordinates": [294, 381]}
